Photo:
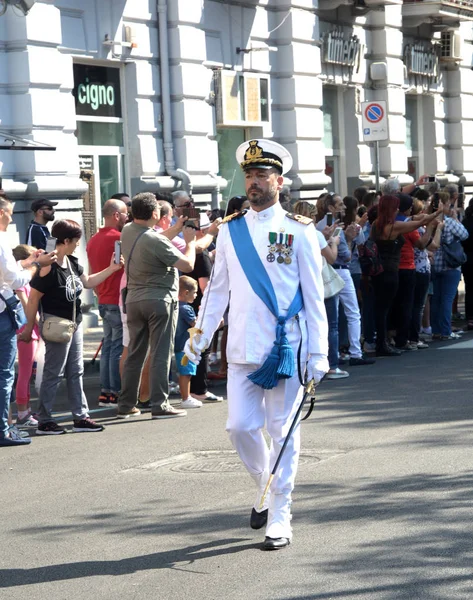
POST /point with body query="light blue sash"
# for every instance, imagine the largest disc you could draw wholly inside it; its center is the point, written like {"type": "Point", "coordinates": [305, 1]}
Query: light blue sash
{"type": "Point", "coordinates": [280, 362]}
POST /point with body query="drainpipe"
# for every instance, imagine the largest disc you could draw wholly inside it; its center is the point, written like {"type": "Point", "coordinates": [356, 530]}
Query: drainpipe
{"type": "Point", "coordinates": [168, 145]}
{"type": "Point", "coordinates": [216, 192]}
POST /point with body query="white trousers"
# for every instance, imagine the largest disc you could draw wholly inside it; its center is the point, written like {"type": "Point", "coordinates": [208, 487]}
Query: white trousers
{"type": "Point", "coordinates": [352, 312]}
{"type": "Point", "coordinates": [250, 408]}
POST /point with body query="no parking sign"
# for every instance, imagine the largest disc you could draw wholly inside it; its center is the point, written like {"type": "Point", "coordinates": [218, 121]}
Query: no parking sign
{"type": "Point", "coordinates": [375, 122]}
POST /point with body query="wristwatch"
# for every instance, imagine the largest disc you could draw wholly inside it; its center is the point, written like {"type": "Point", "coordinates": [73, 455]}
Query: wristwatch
{"type": "Point", "coordinates": [38, 267]}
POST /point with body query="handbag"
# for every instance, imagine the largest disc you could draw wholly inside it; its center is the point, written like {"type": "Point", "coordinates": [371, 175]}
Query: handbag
{"type": "Point", "coordinates": [125, 289]}
{"type": "Point", "coordinates": [370, 261]}
{"type": "Point", "coordinates": [454, 254]}
{"type": "Point", "coordinates": [333, 283]}
{"type": "Point", "coordinates": [58, 329]}
{"type": "Point", "coordinates": [15, 311]}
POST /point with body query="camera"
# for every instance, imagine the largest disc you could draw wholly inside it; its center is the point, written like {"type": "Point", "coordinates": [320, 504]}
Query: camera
{"type": "Point", "coordinates": [193, 217]}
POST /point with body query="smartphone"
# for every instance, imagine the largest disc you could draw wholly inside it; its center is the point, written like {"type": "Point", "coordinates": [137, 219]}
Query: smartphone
{"type": "Point", "coordinates": [431, 178]}
{"type": "Point", "coordinates": [50, 245]}
{"type": "Point", "coordinates": [193, 217]}
{"type": "Point", "coordinates": [329, 219]}
{"type": "Point", "coordinates": [435, 202]}
{"type": "Point", "coordinates": [337, 232]}
{"type": "Point", "coordinates": [118, 251]}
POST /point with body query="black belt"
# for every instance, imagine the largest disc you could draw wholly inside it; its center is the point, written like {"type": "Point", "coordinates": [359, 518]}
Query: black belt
{"type": "Point", "coordinates": [340, 266]}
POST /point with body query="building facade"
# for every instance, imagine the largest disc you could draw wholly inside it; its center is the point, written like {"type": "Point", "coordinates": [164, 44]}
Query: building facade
{"type": "Point", "coordinates": [156, 95]}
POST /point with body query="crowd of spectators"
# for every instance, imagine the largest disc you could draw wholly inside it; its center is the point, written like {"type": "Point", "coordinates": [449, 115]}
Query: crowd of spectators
{"type": "Point", "coordinates": [396, 259]}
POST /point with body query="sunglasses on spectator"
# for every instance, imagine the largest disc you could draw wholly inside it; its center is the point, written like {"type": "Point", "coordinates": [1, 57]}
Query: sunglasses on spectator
{"type": "Point", "coordinates": [46, 208]}
{"type": "Point", "coordinates": [186, 204]}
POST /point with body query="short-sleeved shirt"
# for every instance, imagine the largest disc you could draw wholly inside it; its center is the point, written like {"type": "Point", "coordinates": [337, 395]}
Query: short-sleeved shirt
{"type": "Point", "coordinates": [322, 241]}
{"type": "Point", "coordinates": [177, 241]}
{"type": "Point", "coordinates": [58, 290]}
{"type": "Point", "coordinates": [185, 320]}
{"type": "Point", "coordinates": [150, 272]}
{"type": "Point", "coordinates": [100, 249]}
{"type": "Point", "coordinates": [407, 251]}
{"type": "Point", "coordinates": [421, 257]}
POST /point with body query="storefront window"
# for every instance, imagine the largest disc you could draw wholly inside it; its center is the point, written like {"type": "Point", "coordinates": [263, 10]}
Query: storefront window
{"type": "Point", "coordinates": [99, 134]}
{"type": "Point", "coordinates": [412, 139]}
{"type": "Point", "coordinates": [329, 109]}
{"type": "Point", "coordinates": [228, 142]}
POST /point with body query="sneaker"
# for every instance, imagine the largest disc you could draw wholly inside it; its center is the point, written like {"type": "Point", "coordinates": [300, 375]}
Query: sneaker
{"type": "Point", "coordinates": [422, 345]}
{"type": "Point", "coordinates": [452, 336]}
{"type": "Point", "coordinates": [144, 406]}
{"type": "Point", "coordinates": [113, 399]}
{"type": "Point", "coordinates": [17, 434]}
{"type": "Point", "coordinates": [343, 358]}
{"type": "Point", "coordinates": [191, 403]}
{"type": "Point", "coordinates": [50, 428]}
{"type": "Point", "coordinates": [104, 399]}
{"type": "Point", "coordinates": [86, 425]}
{"type": "Point", "coordinates": [10, 440]}
{"type": "Point", "coordinates": [407, 348]}
{"type": "Point", "coordinates": [173, 388]}
{"type": "Point", "coordinates": [208, 397]}
{"type": "Point", "coordinates": [426, 330]}
{"type": "Point", "coordinates": [134, 412]}
{"type": "Point", "coordinates": [169, 413]}
{"type": "Point", "coordinates": [369, 348]}
{"type": "Point", "coordinates": [337, 374]}
{"type": "Point", "coordinates": [358, 361]}
{"type": "Point", "coordinates": [425, 337]}
{"type": "Point", "coordinates": [28, 421]}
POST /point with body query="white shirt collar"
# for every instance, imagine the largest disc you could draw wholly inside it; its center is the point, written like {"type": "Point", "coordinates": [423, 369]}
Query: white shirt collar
{"type": "Point", "coordinates": [268, 213]}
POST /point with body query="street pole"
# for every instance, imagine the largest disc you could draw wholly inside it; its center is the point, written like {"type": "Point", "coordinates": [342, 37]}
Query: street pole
{"type": "Point", "coordinates": [376, 165]}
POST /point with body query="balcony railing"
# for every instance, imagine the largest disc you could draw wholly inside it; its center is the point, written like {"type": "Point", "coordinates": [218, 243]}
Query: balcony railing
{"type": "Point", "coordinates": [444, 11]}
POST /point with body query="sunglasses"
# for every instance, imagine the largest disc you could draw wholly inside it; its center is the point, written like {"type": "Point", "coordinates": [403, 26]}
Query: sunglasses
{"type": "Point", "coordinates": [47, 208]}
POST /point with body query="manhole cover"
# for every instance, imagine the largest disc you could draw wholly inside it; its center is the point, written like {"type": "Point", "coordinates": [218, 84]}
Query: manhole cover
{"type": "Point", "coordinates": [218, 461]}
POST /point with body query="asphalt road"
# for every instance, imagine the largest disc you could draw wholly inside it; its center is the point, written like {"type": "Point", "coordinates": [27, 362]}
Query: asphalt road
{"type": "Point", "coordinates": [160, 509]}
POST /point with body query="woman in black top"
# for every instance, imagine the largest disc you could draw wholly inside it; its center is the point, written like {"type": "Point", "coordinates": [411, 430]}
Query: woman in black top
{"type": "Point", "coordinates": [57, 288]}
{"type": "Point", "coordinates": [467, 268]}
{"type": "Point", "coordinates": [387, 232]}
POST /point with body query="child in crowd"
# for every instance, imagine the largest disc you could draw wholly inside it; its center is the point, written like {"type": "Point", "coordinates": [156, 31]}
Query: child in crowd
{"type": "Point", "coordinates": [26, 352]}
{"type": "Point", "coordinates": [186, 319]}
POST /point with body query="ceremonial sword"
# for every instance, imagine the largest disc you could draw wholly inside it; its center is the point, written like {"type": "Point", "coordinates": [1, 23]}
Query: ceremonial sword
{"type": "Point", "coordinates": [308, 392]}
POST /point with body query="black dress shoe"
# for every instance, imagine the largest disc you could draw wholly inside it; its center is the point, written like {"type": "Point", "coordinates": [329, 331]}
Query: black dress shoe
{"type": "Point", "coordinates": [258, 519]}
{"type": "Point", "coordinates": [275, 543]}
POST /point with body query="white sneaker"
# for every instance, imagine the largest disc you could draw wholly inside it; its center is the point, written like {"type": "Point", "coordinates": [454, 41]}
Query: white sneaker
{"type": "Point", "coordinates": [337, 374]}
{"type": "Point", "coordinates": [191, 403]}
{"type": "Point", "coordinates": [422, 345]}
{"type": "Point", "coordinates": [208, 397]}
{"type": "Point", "coordinates": [173, 388]}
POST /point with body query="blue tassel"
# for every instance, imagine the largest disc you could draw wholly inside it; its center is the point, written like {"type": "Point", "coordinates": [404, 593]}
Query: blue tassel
{"type": "Point", "coordinates": [279, 364]}
{"type": "Point", "coordinates": [267, 375]}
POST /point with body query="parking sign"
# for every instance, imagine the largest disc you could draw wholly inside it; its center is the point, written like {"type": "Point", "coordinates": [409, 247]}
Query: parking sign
{"type": "Point", "coordinates": [375, 122]}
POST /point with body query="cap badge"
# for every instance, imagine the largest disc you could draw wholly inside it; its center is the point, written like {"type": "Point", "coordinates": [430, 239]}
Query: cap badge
{"type": "Point", "coordinates": [254, 151]}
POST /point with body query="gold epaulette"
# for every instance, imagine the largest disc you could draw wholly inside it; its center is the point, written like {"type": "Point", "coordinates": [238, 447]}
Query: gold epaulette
{"type": "Point", "coordinates": [299, 218]}
{"type": "Point", "coordinates": [237, 215]}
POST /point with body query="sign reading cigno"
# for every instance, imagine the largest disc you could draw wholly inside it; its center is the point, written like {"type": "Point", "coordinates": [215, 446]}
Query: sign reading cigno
{"type": "Point", "coordinates": [97, 91]}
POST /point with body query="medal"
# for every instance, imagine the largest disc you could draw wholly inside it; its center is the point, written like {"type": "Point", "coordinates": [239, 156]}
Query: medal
{"type": "Point", "coordinates": [272, 236]}
{"type": "Point", "coordinates": [288, 260]}
{"type": "Point", "coordinates": [280, 259]}
{"type": "Point", "coordinates": [271, 258]}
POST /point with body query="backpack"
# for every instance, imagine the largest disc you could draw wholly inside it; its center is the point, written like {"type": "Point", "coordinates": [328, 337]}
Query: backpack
{"type": "Point", "coordinates": [370, 261]}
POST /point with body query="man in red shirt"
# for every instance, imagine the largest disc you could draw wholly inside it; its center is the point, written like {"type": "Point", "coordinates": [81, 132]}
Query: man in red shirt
{"type": "Point", "coordinates": [99, 251]}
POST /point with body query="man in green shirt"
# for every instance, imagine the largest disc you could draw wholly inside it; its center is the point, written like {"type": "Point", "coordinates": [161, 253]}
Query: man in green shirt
{"type": "Point", "coordinates": [151, 264]}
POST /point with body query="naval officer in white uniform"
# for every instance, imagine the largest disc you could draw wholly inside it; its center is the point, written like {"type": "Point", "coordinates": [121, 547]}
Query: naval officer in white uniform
{"type": "Point", "coordinates": [286, 247]}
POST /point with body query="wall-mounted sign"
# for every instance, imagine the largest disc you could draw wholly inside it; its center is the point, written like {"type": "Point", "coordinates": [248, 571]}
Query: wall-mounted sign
{"type": "Point", "coordinates": [97, 91]}
{"type": "Point", "coordinates": [422, 59]}
{"type": "Point", "coordinates": [340, 50]}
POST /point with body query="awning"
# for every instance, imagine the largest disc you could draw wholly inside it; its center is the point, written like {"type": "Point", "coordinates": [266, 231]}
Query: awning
{"type": "Point", "coordinates": [13, 142]}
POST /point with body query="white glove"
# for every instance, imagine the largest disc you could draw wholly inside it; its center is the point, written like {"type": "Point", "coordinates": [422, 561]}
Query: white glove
{"type": "Point", "coordinates": [317, 367]}
{"type": "Point", "coordinates": [199, 344]}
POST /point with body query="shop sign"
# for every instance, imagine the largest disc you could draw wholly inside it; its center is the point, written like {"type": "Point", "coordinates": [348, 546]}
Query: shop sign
{"type": "Point", "coordinates": [340, 50]}
{"type": "Point", "coordinates": [421, 60]}
{"type": "Point", "coordinates": [97, 91]}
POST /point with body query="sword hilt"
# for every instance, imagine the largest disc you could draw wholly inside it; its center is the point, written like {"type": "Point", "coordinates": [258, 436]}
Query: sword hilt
{"type": "Point", "coordinates": [193, 331]}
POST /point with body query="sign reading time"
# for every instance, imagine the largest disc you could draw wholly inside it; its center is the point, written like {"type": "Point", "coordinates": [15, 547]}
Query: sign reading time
{"type": "Point", "coordinates": [97, 91]}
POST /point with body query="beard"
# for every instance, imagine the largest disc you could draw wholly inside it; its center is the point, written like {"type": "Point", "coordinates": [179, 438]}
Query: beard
{"type": "Point", "coordinates": [49, 216]}
{"type": "Point", "coordinates": [261, 198]}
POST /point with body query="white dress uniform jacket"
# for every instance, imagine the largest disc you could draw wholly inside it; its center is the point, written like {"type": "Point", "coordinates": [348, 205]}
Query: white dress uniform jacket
{"type": "Point", "coordinates": [252, 327]}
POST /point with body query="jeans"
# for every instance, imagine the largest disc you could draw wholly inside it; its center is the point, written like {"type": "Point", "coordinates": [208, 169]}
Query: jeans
{"type": "Point", "coordinates": [349, 302]}
{"type": "Point", "coordinates": [445, 287]}
{"type": "Point", "coordinates": [403, 305]}
{"type": "Point", "coordinates": [7, 369]}
{"type": "Point", "coordinates": [385, 287]}
{"type": "Point", "coordinates": [331, 308]}
{"type": "Point", "coordinates": [342, 318]}
{"type": "Point", "coordinates": [112, 348]}
{"type": "Point", "coordinates": [420, 295]}
{"type": "Point", "coordinates": [63, 360]}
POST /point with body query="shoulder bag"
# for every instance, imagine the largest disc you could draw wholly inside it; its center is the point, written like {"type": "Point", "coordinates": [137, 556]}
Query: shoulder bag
{"type": "Point", "coordinates": [333, 283]}
{"type": "Point", "coordinates": [370, 261]}
{"type": "Point", "coordinates": [127, 268]}
{"type": "Point", "coordinates": [454, 253]}
{"type": "Point", "coordinates": [58, 329]}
